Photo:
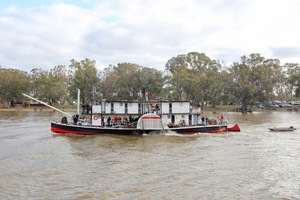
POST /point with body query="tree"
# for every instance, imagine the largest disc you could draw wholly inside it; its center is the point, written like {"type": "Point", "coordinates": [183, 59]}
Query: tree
{"type": "Point", "coordinates": [40, 83]}
{"type": "Point", "coordinates": [241, 85]}
{"type": "Point", "coordinates": [254, 80]}
{"type": "Point", "coordinates": [153, 80]}
{"type": "Point", "coordinates": [83, 75]}
{"type": "Point", "coordinates": [292, 78]}
{"type": "Point", "coordinates": [194, 77]}
{"type": "Point", "coordinates": [58, 82]}
{"type": "Point", "coordinates": [214, 81]}
{"type": "Point", "coordinates": [268, 77]}
{"type": "Point", "coordinates": [13, 83]}
{"type": "Point", "coordinates": [126, 81]}
{"type": "Point", "coordinates": [50, 85]}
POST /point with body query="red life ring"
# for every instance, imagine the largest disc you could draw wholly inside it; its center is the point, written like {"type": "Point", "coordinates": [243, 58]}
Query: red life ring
{"type": "Point", "coordinates": [96, 117]}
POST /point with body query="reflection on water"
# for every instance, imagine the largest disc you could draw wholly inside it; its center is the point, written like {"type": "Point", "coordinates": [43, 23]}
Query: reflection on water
{"type": "Point", "coordinates": [251, 164]}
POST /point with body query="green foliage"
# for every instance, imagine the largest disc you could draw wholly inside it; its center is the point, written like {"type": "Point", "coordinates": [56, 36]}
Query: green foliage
{"type": "Point", "coordinates": [193, 76]}
{"type": "Point", "coordinates": [13, 83]}
{"type": "Point", "coordinates": [50, 86]}
{"type": "Point", "coordinates": [254, 80]}
{"type": "Point", "coordinates": [126, 81]}
{"type": "Point", "coordinates": [58, 81]}
{"type": "Point", "coordinates": [292, 72]}
{"type": "Point", "coordinates": [83, 75]}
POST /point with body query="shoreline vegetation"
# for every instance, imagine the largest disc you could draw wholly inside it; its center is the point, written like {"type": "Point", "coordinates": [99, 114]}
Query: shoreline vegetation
{"type": "Point", "coordinates": [218, 109]}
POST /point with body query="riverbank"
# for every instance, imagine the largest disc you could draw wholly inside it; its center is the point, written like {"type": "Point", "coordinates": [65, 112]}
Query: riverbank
{"type": "Point", "coordinates": [253, 109]}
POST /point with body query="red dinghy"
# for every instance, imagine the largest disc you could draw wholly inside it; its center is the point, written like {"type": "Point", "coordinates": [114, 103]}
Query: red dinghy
{"type": "Point", "coordinates": [234, 128]}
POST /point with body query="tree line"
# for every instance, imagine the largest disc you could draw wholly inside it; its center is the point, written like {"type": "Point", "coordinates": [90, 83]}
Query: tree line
{"type": "Point", "coordinates": [193, 76]}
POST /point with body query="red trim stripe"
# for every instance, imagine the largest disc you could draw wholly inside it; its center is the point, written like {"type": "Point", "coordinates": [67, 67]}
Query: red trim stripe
{"type": "Point", "coordinates": [151, 117]}
{"type": "Point", "coordinates": [57, 130]}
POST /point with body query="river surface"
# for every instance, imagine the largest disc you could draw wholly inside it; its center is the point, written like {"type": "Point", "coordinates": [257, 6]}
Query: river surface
{"type": "Point", "coordinates": [252, 164]}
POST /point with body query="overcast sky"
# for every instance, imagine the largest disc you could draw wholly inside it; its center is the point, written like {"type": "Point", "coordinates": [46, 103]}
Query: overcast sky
{"type": "Point", "coordinates": [43, 34]}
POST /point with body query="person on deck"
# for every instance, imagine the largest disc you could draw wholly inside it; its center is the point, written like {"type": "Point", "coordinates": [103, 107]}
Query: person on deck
{"type": "Point", "coordinates": [124, 120]}
{"type": "Point", "coordinates": [116, 118]}
{"type": "Point", "coordinates": [108, 120]}
{"type": "Point", "coordinates": [203, 121]}
{"type": "Point", "coordinates": [103, 121]}
{"type": "Point", "coordinates": [183, 123]}
{"type": "Point", "coordinates": [222, 119]}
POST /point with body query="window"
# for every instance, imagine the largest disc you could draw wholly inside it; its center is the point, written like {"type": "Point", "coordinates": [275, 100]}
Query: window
{"type": "Point", "coordinates": [112, 107]}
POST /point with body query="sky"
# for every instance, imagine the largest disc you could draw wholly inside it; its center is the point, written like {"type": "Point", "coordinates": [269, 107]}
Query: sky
{"type": "Point", "coordinates": [44, 34]}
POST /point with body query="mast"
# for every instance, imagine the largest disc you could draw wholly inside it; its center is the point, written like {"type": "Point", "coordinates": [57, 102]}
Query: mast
{"type": "Point", "coordinates": [78, 101]}
{"type": "Point", "coordinates": [30, 97]}
{"type": "Point", "coordinates": [143, 99]}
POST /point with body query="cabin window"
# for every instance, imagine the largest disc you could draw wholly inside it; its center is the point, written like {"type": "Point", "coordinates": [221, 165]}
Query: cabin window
{"type": "Point", "coordinates": [121, 104]}
{"type": "Point", "coordinates": [180, 104]}
{"type": "Point", "coordinates": [112, 108]}
{"type": "Point", "coordinates": [140, 108]}
{"type": "Point", "coordinates": [130, 104]}
{"type": "Point", "coordinates": [126, 108]}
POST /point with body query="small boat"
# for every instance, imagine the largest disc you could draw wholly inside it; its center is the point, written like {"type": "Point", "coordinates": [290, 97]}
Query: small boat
{"type": "Point", "coordinates": [279, 129]}
{"type": "Point", "coordinates": [234, 128]}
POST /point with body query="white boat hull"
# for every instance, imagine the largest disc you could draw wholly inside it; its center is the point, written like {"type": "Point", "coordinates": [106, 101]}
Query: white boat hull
{"type": "Point", "coordinates": [280, 129]}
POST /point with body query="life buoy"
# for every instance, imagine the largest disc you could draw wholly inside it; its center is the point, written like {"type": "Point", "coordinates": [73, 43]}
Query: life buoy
{"type": "Point", "coordinates": [95, 117]}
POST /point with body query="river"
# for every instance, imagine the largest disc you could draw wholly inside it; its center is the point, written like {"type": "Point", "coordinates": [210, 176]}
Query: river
{"type": "Point", "coordinates": [252, 164]}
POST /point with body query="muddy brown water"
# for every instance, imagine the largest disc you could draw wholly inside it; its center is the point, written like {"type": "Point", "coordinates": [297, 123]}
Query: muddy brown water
{"type": "Point", "coordinates": [252, 164]}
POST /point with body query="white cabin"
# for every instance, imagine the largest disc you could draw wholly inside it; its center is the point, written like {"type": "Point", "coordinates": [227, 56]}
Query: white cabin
{"type": "Point", "coordinates": [171, 111]}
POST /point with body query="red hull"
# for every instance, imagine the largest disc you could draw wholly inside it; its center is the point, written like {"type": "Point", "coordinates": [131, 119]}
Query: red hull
{"type": "Point", "coordinates": [90, 130]}
{"type": "Point", "coordinates": [57, 130]}
{"type": "Point", "coordinates": [212, 131]}
{"type": "Point", "coordinates": [235, 128]}
{"type": "Point", "coordinates": [220, 130]}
